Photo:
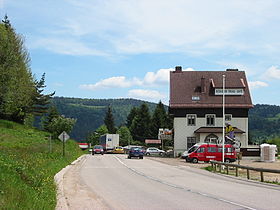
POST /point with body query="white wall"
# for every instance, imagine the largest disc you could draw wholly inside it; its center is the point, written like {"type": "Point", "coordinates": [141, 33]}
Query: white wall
{"type": "Point", "coordinates": [182, 131]}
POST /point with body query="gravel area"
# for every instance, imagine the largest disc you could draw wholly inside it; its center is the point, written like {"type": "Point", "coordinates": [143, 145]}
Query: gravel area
{"type": "Point", "coordinates": [252, 162]}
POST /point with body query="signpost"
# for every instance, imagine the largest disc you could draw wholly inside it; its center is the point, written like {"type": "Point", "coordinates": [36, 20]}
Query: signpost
{"type": "Point", "coordinates": [63, 137]}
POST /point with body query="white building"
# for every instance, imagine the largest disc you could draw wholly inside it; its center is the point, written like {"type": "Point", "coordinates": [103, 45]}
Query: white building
{"type": "Point", "coordinates": [196, 106]}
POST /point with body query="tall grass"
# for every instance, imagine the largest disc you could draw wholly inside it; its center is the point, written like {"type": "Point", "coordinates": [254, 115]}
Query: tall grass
{"type": "Point", "coordinates": [27, 167]}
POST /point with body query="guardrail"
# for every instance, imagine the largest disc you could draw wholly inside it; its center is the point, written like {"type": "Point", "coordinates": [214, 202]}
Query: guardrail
{"type": "Point", "coordinates": [236, 166]}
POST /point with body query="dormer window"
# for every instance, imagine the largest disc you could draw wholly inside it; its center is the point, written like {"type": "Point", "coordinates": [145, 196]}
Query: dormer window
{"type": "Point", "coordinates": [195, 98]}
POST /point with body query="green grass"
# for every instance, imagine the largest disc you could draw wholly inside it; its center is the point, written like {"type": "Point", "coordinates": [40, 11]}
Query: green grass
{"type": "Point", "coordinates": [27, 167]}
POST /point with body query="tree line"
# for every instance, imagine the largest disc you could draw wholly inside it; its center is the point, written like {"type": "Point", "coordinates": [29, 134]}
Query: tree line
{"type": "Point", "coordinates": [21, 94]}
{"type": "Point", "coordinates": [140, 124]}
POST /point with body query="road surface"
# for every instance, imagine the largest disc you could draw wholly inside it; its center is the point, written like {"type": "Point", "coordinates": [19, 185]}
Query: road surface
{"type": "Point", "coordinates": [121, 183]}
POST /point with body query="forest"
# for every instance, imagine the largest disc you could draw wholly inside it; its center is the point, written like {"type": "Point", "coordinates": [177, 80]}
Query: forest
{"type": "Point", "coordinates": [90, 113]}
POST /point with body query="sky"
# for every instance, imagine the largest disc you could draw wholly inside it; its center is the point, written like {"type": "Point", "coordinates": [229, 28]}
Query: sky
{"type": "Point", "coordinates": [126, 48]}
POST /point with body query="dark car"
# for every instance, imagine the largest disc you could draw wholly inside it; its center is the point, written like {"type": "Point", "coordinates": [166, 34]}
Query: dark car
{"type": "Point", "coordinates": [136, 152]}
{"type": "Point", "coordinates": [97, 149]}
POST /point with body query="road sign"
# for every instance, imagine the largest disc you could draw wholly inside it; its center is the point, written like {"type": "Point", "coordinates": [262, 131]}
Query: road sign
{"type": "Point", "coordinates": [63, 136]}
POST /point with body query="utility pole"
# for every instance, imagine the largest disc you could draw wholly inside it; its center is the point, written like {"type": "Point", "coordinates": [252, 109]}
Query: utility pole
{"type": "Point", "coordinates": [223, 127]}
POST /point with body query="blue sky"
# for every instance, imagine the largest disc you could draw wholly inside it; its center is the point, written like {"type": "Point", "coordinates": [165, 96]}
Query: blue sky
{"type": "Point", "coordinates": [126, 48]}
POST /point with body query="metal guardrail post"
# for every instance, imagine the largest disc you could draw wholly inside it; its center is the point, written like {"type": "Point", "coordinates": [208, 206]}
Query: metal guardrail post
{"type": "Point", "coordinates": [262, 179]}
{"type": "Point", "coordinates": [236, 171]}
{"type": "Point", "coordinates": [248, 174]}
{"type": "Point", "coordinates": [227, 170]}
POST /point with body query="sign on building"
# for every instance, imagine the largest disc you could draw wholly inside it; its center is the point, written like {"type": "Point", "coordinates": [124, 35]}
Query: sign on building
{"type": "Point", "coordinates": [234, 92]}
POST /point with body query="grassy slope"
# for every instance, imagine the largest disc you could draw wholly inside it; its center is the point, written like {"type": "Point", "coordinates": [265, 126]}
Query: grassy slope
{"type": "Point", "coordinates": [27, 167]}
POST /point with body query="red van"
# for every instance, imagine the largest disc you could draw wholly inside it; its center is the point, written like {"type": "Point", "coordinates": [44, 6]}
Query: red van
{"type": "Point", "coordinates": [206, 152]}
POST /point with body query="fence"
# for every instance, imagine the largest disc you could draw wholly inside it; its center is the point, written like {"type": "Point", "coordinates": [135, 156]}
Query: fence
{"type": "Point", "coordinates": [221, 169]}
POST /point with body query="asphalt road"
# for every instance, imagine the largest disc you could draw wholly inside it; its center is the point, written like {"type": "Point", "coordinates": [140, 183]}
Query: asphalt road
{"type": "Point", "coordinates": [122, 183]}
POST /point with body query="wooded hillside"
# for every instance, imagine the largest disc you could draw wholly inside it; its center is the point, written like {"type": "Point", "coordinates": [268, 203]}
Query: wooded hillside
{"type": "Point", "coordinates": [90, 113]}
{"type": "Point", "coordinates": [264, 120]}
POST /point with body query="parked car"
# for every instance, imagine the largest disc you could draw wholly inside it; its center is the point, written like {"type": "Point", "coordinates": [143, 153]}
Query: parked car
{"type": "Point", "coordinates": [135, 152]}
{"type": "Point", "coordinates": [97, 149]}
{"type": "Point", "coordinates": [206, 152]}
{"type": "Point", "coordinates": [118, 150]}
{"type": "Point", "coordinates": [154, 151]}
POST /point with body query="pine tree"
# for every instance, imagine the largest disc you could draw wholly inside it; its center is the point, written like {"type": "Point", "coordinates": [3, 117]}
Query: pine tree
{"type": "Point", "coordinates": [40, 100]}
{"type": "Point", "coordinates": [109, 121]}
{"type": "Point", "coordinates": [130, 117]}
{"type": "Point", "coordinates": [140, 127]}
{"type": "Point", "coordinates": [159, 119]}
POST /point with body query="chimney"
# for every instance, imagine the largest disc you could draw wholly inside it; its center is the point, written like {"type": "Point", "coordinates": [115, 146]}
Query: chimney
{"type": "Point", "coordinates": [178, 69]}
{"type": "Point", "coordinates": [202, 85]}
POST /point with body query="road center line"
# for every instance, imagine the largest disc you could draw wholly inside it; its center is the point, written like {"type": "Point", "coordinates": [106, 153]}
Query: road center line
{"type": "Point", "coordinates": [180, 187]}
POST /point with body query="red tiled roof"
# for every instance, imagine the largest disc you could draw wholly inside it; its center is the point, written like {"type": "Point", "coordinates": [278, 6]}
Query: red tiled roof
{"type": "Point", "coordinates": [187, 84]}
{"type": "Point", "coordinates": [215, 130]}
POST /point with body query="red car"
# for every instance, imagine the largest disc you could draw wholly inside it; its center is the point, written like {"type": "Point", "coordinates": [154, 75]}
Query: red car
{"type": "Point", "coordinates": [206, 152]}
{"type": "Point", "coordinates": [97, 149]}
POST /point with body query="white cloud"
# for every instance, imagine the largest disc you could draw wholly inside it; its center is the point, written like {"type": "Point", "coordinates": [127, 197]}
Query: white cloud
{"type": "Point", "coordinates": [112, 82]}
{"type": "Point", "coordinates": [257, 84]}
{"type": "Point", "coordinates": [145, 26]}
{"type": "Point", "coordinates": [159, 77]}
{"type": "Point", "coordinates": [151, 79]}
{"type": "Point", "coordinates": [272, 73]}
{"type": "Point", "coordinates": [146, 94]}
{"type": "Point", "coordinates": [65, 46]}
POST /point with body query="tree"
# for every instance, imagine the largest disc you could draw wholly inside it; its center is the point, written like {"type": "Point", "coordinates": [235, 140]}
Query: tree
{"type": "Point", "coordinates": [52, 114]}
{"type": "Point", "coordinates": [125, 136]}
{"type": "Point", "coordinates": [130, 117]}
{"type": "Point", "coordinates": [16, 82]}
{"type": "Point", "coordinates": [159, 119]}
{"type": "Point", "coordinates": [109, 121]}
{"type": "Point", "coordinates": [140, 127]}
{"type": "Point", "coordinates": [40, 100]}
{"type": "Point", "coordinates": [60, 124]}
{"type": "Point", "coordinates": [93, 137]}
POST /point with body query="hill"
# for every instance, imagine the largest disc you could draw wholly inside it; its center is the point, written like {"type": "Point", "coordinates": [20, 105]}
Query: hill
{"type": "Point", "coordinates": [264, 120]}
{"type": "Point", "coordinates": [90, 113]}
{"type": "Point", "coordinates": [27, 167]}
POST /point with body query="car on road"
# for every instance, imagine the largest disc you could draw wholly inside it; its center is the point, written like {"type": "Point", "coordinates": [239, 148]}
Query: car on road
{"type": "Point", "coordinates": [154, 151]}
{"type": "Point", "coordinates": [206, 152]}
{"type": "Point", "coordinates": [135, 152]}
{"type": "Point", "coordinates": [118, 150]}
{"type": "Point", "coordinates": [97, 149]}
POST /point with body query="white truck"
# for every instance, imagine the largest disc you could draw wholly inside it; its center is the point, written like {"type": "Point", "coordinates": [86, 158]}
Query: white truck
{"type": "Point", "coordinates": [109, 142]}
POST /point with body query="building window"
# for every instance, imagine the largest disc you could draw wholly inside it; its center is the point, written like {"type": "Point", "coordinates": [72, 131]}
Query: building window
{"type": "Point", "coordinates": [191, 119]}
{"type": "Point", "coordinates": [210, 120]}
{"type": "Point", "coordinates": [191, 141]}
{"type": "Point", "coordinates": [228, 117]}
